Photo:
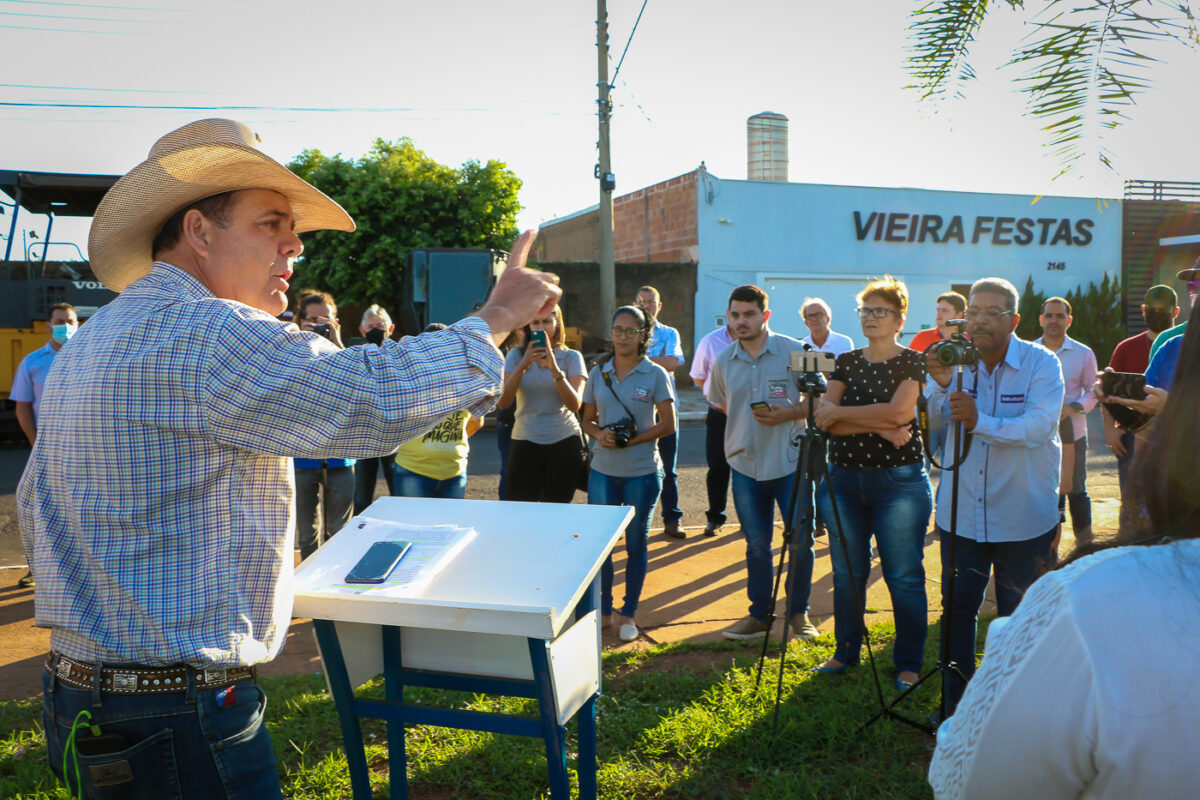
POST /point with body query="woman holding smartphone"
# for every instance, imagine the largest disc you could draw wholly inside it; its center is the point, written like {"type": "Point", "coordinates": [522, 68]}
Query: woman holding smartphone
{"type": "Point", "coordinates": [877, 476]}
{"type": "Point", "coordinates": [623, 396]}
{"type": "Point", "coordinates": [546, 380]}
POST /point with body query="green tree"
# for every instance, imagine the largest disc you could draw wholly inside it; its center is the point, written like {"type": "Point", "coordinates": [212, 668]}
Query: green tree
{"type": "Point", "coordinates": [1084, 61]}
{"type": "Point", "coordinates": [1096, 313]}
{"type": "Point", "coordinates": [401, 199]}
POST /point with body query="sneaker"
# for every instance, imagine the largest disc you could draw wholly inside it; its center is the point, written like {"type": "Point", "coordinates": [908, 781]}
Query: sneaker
{"type": "Point", "coordinates": [747, 628]}
{"type": "Point", "coordinates": [800, 625]}
{"type": "Point", "coordinates": [628, 630]}
{"type": "Point", "coordinates": [712, 529]}
{"type": "Point", "coordinates": [673, 530]}
{"type": "Point", "coordinates": [26, 581]}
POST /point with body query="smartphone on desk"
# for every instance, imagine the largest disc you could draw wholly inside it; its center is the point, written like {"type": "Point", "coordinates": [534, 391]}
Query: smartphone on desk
{"type": "Point", "coordinates": [378, 562]}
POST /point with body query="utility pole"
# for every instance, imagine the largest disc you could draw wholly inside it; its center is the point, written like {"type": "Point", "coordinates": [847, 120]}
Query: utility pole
{"type": "Point", "coordinates": [608, 278]}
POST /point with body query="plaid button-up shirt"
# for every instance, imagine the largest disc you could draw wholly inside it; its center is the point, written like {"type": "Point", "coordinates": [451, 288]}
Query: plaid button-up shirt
{"type": "Point", "coordinates": [157, 507]}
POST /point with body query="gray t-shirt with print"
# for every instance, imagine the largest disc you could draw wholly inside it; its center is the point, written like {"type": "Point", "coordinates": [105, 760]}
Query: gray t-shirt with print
{"type": "Point", "coordinates": [640, 390]}
{"type": "Point", "coordinates": [541, 416]}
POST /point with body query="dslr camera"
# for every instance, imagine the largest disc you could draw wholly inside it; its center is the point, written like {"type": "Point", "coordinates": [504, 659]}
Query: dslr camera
{"type": "Point", "coordinates": [623, 430]}
{"type": "Point", "coordinates": [957, 350]}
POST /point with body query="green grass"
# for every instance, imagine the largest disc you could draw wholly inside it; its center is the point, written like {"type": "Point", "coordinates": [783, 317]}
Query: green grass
{"type": "Point", "coordinates": [678, 721]}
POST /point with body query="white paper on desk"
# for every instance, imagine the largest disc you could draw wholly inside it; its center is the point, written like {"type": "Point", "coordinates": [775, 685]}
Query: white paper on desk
{"type": "Point", "coordinates": [433, 547]}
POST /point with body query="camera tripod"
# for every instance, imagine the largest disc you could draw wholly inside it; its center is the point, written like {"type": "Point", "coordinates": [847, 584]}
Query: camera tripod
{"type": "Point", "coordinates": [801, 519]}
{"type": "Point", "coordinates": [946, 666]}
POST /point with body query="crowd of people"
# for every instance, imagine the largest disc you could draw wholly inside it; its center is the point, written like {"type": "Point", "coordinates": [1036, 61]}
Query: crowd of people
{"type": "Point", "coordinates": [192, 365]}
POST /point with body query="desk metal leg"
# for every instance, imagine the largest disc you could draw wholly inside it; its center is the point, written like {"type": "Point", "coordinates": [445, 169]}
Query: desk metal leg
{"type": "Point", "coordinates": [586, 716]}
{"type": "Point", "coordinates": [343, 699]}
{"type": "Point", "coordinates": [553, 733]}
{"type": "Point", "coordinates": [393, 690]}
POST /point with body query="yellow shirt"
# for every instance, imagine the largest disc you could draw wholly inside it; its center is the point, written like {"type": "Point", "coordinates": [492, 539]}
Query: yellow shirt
{"type": "Point", "coordinates": [441, 453]}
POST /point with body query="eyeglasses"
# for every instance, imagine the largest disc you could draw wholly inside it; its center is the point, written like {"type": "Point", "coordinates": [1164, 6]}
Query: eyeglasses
{"type": "Point", "coordinates": [877, 313]}
{"type": "Point", "coordinates": [990, 314]}
{"type": "Point", "coordinates": [815, 315]}
{"type": "Point", "coordinates": [626, 333]}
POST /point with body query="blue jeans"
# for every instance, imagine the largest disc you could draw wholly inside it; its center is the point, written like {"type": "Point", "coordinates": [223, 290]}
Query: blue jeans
{"type": "Point", "coordinates": [755, 503]}
{"type": "Point", "coordinates": [198, 743]}
{"type": "Point", "coordinates": [365, 471]}
{"type": "Point", "coordinates": [667, 449]}
{"type": "Point", "coordinates": [1017, 565]}
{"type": "Point", "coordinates": [892, 504]}
{"type": "Point", "coordinates": [641, 493]}
{"type": "Point", "coordinates": [413, 484]}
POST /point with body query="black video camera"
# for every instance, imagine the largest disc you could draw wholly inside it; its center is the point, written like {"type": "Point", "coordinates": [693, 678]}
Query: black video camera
{"type": "Point", "coordinates": [957, 350]}
{"type": "Point", "coordinates": [623, 430]}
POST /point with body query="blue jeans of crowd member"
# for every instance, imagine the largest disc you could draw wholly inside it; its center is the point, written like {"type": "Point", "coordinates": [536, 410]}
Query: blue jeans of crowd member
{"type": "Point", "coordinates": [1017, 566]}
{"type": "Point", "coordinates": [755, 502]}
{"type": "Point", "coordinates": [641, 493]}
{"type": "Point", "coordinates": [892, 504]}
{"type": "Point", "coordinates": [365, 472]}
{"type": "Point", "coordinates": [668, 447]}
{"type": "Point", "coordinates": [414, 484]}
{"type": "Point", "coordinates": [198, 743]}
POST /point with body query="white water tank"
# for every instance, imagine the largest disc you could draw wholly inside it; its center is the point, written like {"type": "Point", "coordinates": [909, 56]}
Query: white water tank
{"type": "Point", "coordinates": [766, 147]}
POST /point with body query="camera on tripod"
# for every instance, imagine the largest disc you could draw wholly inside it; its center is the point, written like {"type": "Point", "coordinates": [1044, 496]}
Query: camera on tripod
{"type": "Point", "coordinates": [958, 349]}
{"type": "Point", "coordinates": [810, 368]}
{"type": "Point", "coordinates": [623, 430]}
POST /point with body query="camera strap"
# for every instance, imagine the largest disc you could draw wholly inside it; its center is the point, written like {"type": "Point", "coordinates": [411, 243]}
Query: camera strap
{"type": "Point", "coordinates": [923, 428]}
{"type": "Point", "coordinates": [608, 383]}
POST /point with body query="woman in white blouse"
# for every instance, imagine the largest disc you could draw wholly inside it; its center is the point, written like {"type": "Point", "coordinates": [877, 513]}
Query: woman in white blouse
{"type": "Point", "coordinates": [1092, 688]}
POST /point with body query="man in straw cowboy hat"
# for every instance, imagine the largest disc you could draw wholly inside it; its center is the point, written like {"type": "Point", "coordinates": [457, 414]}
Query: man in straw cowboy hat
{"type": "Point", "coordinates": [157, 507]}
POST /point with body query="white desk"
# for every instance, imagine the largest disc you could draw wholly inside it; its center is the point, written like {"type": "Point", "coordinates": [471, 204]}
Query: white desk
{"type": "Point", "coordinates": [513, 613]}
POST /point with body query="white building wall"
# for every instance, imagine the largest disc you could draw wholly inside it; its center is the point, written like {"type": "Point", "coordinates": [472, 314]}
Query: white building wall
{"type": "Point", "coordinates": [799, 240]}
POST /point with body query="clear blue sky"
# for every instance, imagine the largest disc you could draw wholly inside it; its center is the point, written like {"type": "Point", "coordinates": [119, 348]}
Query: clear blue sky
{"type": "Point", "coordinates": [516, 82]}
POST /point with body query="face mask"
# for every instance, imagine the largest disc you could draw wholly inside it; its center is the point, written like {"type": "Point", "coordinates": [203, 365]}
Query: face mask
{"type": "Point", "coordinates": [375, 336]}
{"type": "Point", "coordinates": [61, 333]}
{"type": "Point", "coordinates": [1157, 321]}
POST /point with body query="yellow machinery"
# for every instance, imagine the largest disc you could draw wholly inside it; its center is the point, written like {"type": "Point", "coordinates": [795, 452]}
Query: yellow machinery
{"type": "Point", "coordinates": [15, 344]}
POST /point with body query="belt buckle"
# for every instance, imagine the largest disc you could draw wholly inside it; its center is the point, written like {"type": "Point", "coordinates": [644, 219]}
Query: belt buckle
{"type": "Point", "coordinates": [125, 682]}
{"type": "Point", "coordinates": [63, 669]}
{"type": "Point", "coordinates": [215, 675]}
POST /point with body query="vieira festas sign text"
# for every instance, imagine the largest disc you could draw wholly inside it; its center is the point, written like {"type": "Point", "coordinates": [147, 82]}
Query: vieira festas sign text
{"type": "Point", "coordinates": [920, 228]}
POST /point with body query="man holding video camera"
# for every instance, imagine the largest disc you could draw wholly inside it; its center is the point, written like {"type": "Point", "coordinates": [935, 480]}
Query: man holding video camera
{"type": "Point", "coordinates": [1009, 403]}
{"type": "Point", "coordinates": [751, 381]}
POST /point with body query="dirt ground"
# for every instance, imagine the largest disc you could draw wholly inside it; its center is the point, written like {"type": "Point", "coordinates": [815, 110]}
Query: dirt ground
{"type": "Point", "coordinates": [695, 587]}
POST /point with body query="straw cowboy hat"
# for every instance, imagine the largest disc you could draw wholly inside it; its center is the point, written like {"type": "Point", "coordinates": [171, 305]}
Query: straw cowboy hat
{"type": "Point", "coordinates": [199, 160]}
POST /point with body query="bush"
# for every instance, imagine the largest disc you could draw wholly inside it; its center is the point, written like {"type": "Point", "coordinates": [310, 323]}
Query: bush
{"type": "Point", "coordinates": [1097, 312]}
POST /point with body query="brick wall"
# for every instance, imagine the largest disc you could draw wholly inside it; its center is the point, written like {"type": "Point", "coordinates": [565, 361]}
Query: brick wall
{"type": "Point", "coordinates": [652, 225]}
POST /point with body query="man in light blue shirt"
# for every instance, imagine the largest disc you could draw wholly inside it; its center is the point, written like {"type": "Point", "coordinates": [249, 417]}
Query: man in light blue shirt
{"type": "Point", "coordinates": [30, 380]}
{"type": "Point", "coordinates": [665, 350]}
{"type": "Point", "coordinates": [1008, 484]}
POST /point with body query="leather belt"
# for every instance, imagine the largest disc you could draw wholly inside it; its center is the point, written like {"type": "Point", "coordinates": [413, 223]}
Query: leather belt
{"type": "Point", "coordinates": [139, 679]}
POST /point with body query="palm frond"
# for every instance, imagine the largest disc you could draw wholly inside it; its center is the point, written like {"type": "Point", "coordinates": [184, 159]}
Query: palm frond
{"type": "Point", "coordinates": [940, 35]}
{"type": "Point", "coordinates": [1087, 62]}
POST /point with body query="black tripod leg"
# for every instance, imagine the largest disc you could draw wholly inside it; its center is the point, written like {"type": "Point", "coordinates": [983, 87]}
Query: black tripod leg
{"type": "Point", "coordinates": [788, 528]}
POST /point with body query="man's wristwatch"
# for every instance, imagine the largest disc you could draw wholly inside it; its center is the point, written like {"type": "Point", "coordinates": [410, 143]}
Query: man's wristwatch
{"type": "Point", "coordinates": [1077, 407]}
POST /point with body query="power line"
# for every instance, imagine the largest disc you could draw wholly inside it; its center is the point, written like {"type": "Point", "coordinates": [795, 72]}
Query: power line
{"type": "Point", "coordinates": [311, 109]}
{"type": "Point", "coordinates": [85, 19]}
{"type": "Point", "coordinates": [71, 30]}
{"type": "Point", "coordinates": [628, 42]}
{"type": "Point", "coordinates": [42, 87]}
{"type": "Point", "coordinates": [100, 5]}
